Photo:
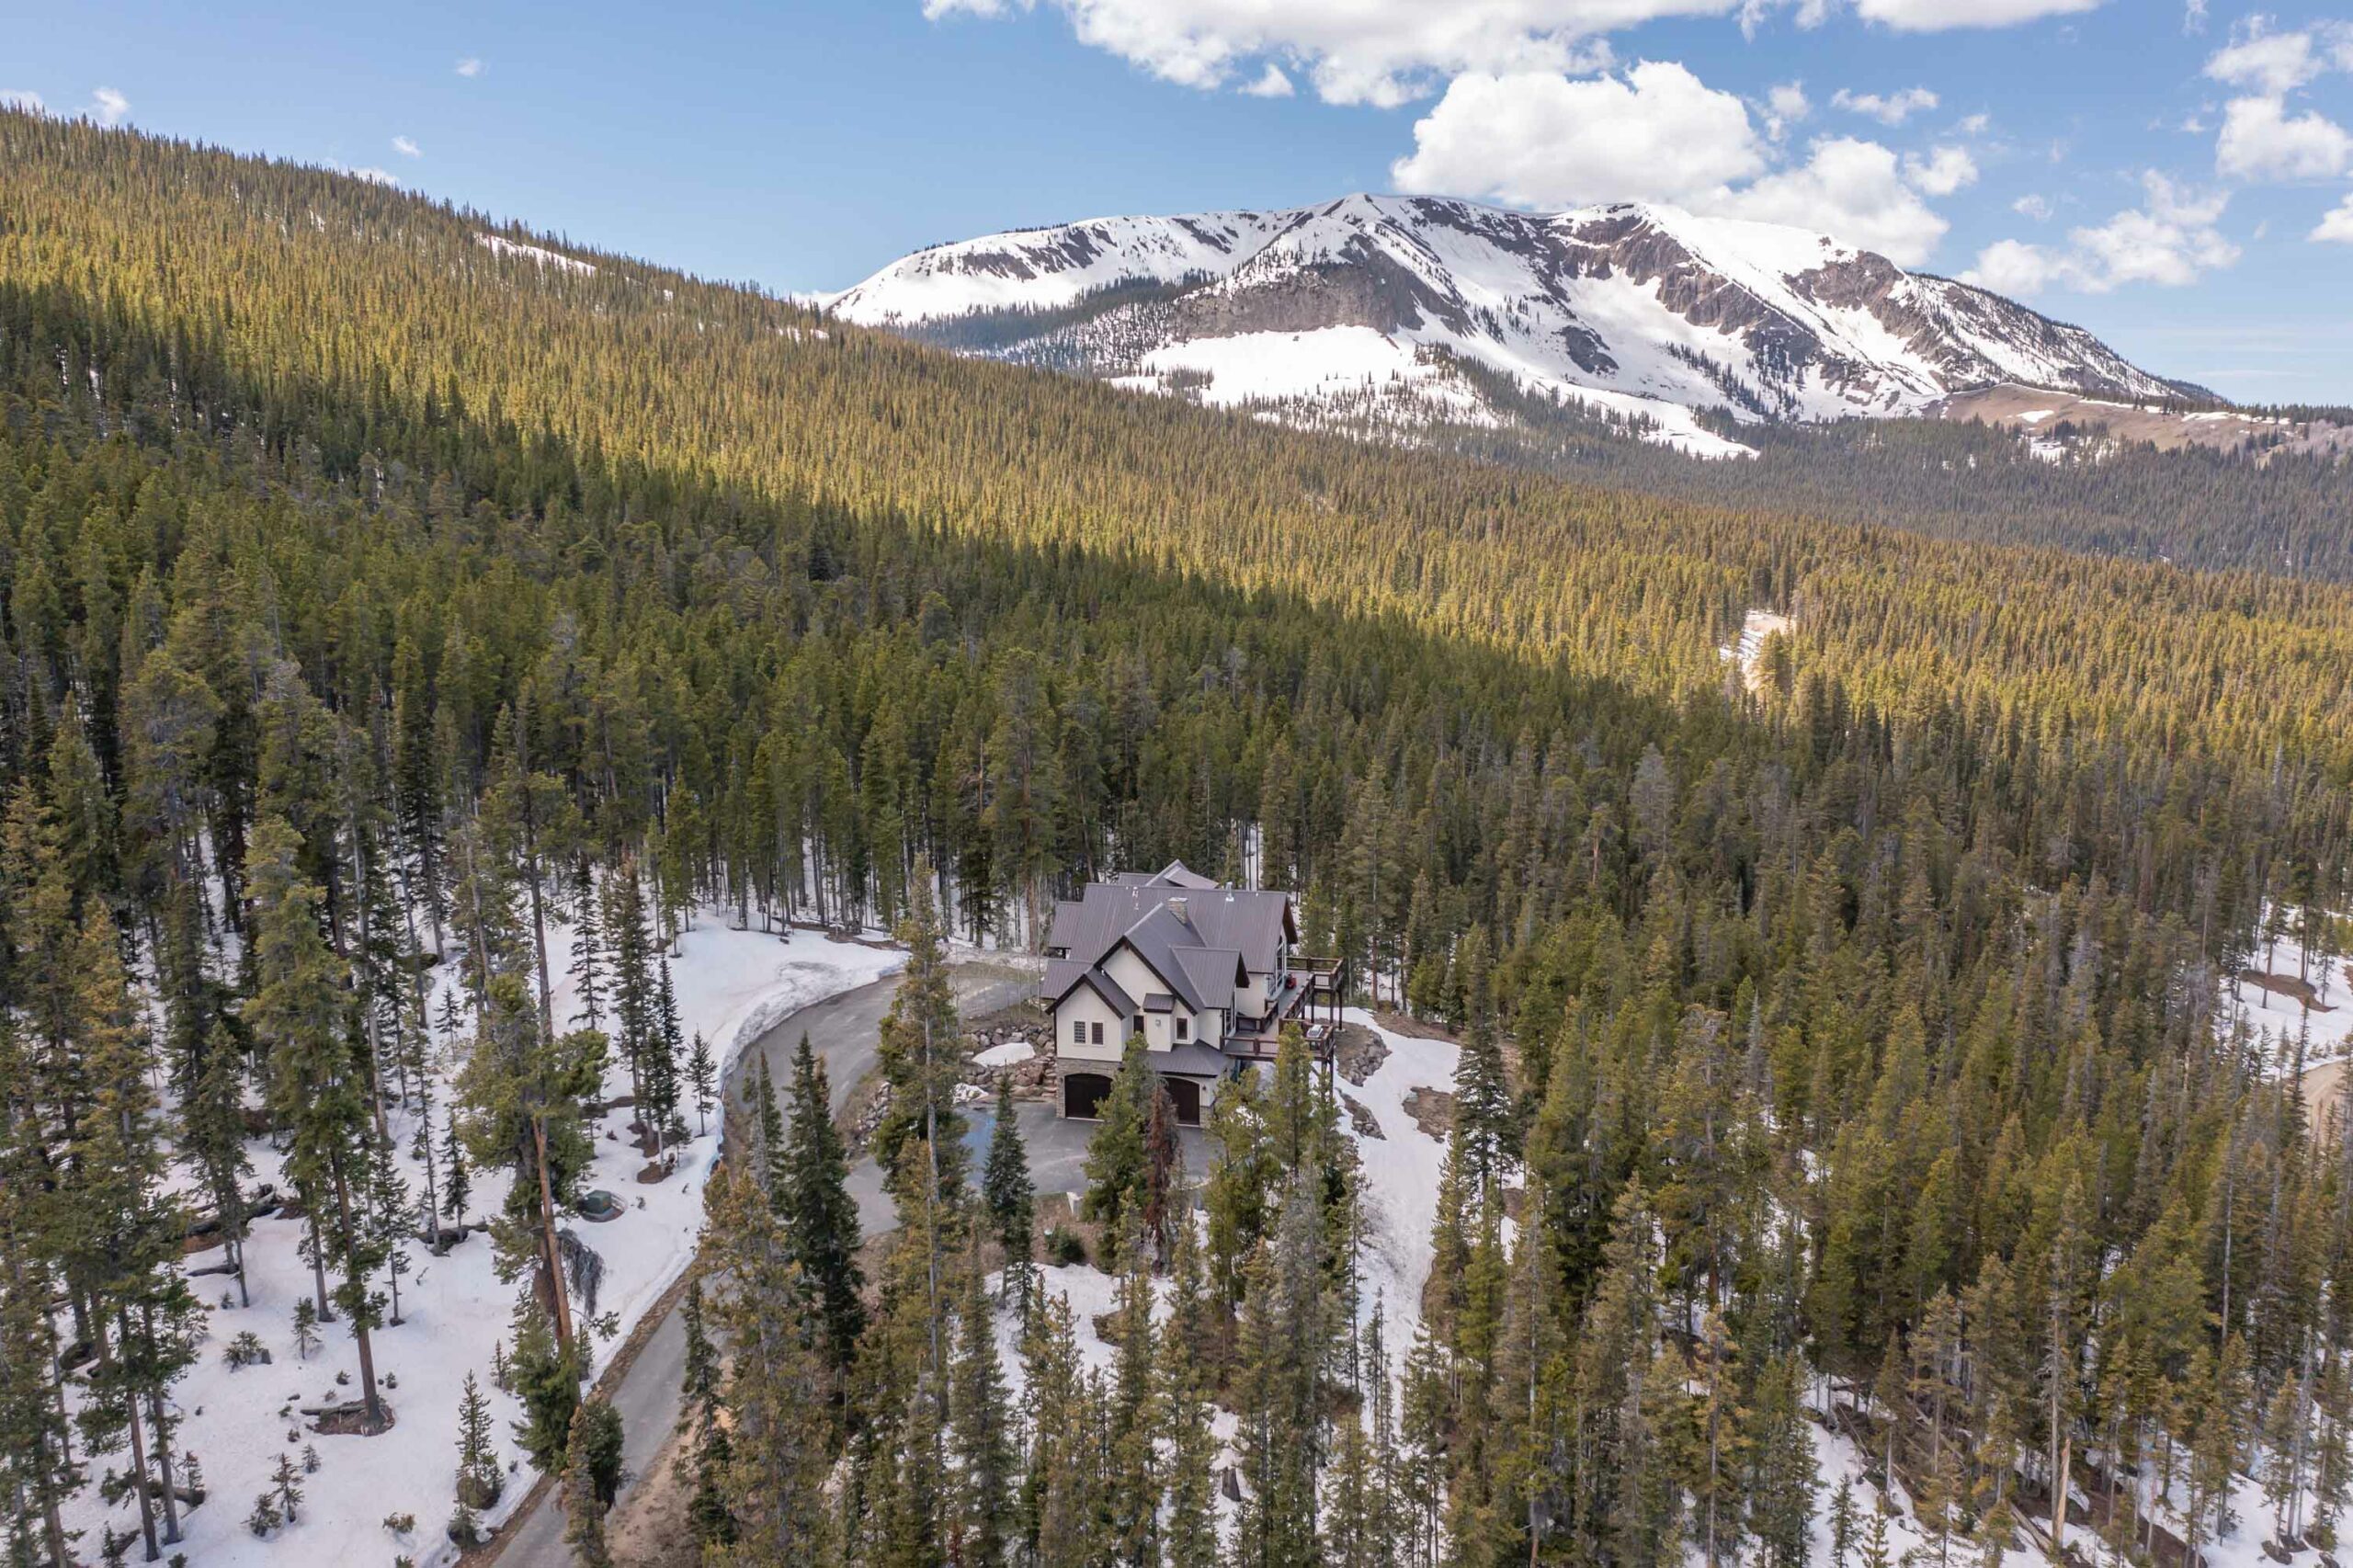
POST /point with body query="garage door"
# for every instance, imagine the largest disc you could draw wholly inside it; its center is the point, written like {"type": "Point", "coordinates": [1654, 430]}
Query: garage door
{"type": "Point", "coordinates": [1186, 1095]}
{"type": "Point", "coordinates": [1083, 1094]}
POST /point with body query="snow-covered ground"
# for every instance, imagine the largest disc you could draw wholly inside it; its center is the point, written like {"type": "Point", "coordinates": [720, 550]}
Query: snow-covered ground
{"type": "Point", "coordinates": [731, 985]}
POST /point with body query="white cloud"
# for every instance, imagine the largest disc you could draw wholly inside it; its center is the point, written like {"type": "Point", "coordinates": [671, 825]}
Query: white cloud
{"type": "Point", "coordinates": [1656, 133]}
{"type": "Point", "coordinates": [1942, 171]}
{"type": "Point", "coordinates": [2169, 240]}
{"type": "Point", "coordinates": [1851, 190]}
{"type": "Point", "coordinates": [470, 66]}
{"type": "Point", "coordinates": [406, 148]}
{"type": "Point", "coordinates": [1976, 124]}
{"type": "Point", "coordinates": [2193, 17]}
{"type": "Point", "coordinates": [1936, 15]}
{"type": "Point", "coordinates": [109, 107]}
{"type": "Point", "coordinates": [1785, 106]}
{"type": "Point", "coordinates": [2271, 64]}
{"type": "Point", "coordinates": [1890, 109]}
{"type": "Point", "coordinates": [23, 99]}
{"type": "Point", "coordinates": [2337, 226]}
{"type": "Point", "coordinates": [1659, 133]}
{"type": "Point", "coordinates": [1273, 85]}
{"type": "Point", "coordinates": [2261, 142]}
{"type": "Point", "coordinates": [2032, 206]}
{"type": "Point", "coordinates": [375, 176]}
{"type": "Point", "coordinates": [1383, 52]}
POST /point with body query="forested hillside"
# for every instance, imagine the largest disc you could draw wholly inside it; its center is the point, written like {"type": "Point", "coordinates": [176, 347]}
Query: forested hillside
{"type": "Point", "coordinates": [376, 597]}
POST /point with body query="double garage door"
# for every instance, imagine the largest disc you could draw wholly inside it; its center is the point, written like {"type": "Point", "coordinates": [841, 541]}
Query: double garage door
{"type": "Point", "coordinates": [1082, 1095]}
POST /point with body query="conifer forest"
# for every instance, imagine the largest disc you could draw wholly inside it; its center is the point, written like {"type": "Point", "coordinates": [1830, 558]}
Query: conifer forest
{"type": "Point", "coordinates": [1880, 1091]}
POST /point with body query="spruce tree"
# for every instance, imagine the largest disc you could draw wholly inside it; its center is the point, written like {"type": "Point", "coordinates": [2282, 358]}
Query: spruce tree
{"type": "Point", "coordinates": [702, 1423]}
{"type": "Point", "coordinates": [702, 1082]}
{"type": "Point", "coordinates": [821, 1235]}
{"type": "Point", "coordinates": [980, 1433]}
{"type": "Point", "coordinates": [584, 1509]}
{"type": "Point", "coordinates": [1009, 1198]}
{"type": "Point", "coordinates": [479, 1480]}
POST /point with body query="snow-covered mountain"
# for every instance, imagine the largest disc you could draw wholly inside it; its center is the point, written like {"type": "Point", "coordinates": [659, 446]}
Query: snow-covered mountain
{"type": "Point", "coordinates": [1401, 309]}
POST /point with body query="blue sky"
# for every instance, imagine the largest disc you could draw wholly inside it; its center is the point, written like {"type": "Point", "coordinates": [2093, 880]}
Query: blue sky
{"type": "Point", "coordinates": [2153, 169]}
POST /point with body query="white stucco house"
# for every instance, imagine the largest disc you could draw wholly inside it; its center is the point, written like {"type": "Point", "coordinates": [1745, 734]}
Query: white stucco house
{"type": "Point", "coordinates": [1206, 975]}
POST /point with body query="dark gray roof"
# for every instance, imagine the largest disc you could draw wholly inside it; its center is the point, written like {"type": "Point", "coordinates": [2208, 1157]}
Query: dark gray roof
{"type": "Point", "coordinates": [1158, 1002]}
{"type": "Point", "coordinates": [1193, 1059]}
{"type": "Point", "coordinates": [1065, 976]}
{"type": "Point", "coordinates": [1251, 924]}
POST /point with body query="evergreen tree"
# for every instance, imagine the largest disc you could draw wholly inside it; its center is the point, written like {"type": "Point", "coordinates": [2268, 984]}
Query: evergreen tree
{"type": "Point", "coordinates": [479, 1480]}
{"type": "Point", "coordinates": [584, 1509]}
{"type": "Point", "coordinates": [1007, 1195]}
{"type": "Point", "coordinates": [702, 1423]}
{"type": "Point", "coordinates": [702, 1082]}
{"type": "Point", "coordinates": [298, 1016]}
{"type": "Point", "coordinates": [821, 1228]}
{"type": "Point", "coordinates": [981, 1438]}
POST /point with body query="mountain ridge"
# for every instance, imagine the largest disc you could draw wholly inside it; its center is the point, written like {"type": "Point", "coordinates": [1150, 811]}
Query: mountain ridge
{"type": "Point", "coordinates": [1644, 315]}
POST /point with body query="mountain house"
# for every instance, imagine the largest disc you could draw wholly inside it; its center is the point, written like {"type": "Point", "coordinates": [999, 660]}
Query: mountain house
{"type": "Point", "coordinates": [1205, 974]}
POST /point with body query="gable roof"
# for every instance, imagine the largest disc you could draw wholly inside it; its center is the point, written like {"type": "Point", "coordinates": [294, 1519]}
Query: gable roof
{"type": "Point", "coordinates": [1065, 976]}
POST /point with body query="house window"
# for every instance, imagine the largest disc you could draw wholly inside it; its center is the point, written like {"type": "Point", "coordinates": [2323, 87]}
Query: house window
{"type": "Point", "coordinates": [1078, 1031]}
{"type": "Point", "coordinates": [1099, 1034]}
{"type": "Point", "coordinates": [1182, 1025]}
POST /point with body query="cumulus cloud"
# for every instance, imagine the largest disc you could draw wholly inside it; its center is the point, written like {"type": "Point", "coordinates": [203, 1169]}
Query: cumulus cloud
{"type": "Point", "coordinates": [1656, 133]}
{"type": "Point", "coordinates": [2261, 141]}
{"type": "Point", "coordinates": [1936, 15]}
{"type": "Point", "coordinates": [470, 66]}
{"type": "Point", "coordinates": [2170, 240]}
{"type": "Point", "coordinates": [1888, 108]}
{"type": "Point", "coordinates": [1942, 171]}
{"type": "Point", "coordinates": [1383, 52]}
{"type": "Point", "coordinates": [2338, 227]}
{"type": "Point", "coordinates": [109, 107]}
{"type": "Point", "coordinates": [1785, 106]}
{"type": "Point", "coordinates": [406, 148]}
{"type": "Point", "coordinates": [2032, 206]}
{"type": "Point", "coordinates": [23, 99]}
{"type": "Point", "coordinates": [1849, 190]}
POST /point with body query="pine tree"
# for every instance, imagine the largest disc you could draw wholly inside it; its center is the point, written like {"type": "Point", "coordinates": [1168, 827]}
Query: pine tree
{"type": "Point", "coordinates": [1006, 1193]}
{"type": "Point", "coordinates": [546, 1377]}
{"type": "Point", "coordinates": [584, 1509]}
{"type": "Point", "coordinates": [781, 1386]}
{"type": "Point", "coordinates": [457, 1183]}
{"type": "Point", "coordinates": [921, 1060]}
{"type": "Point", "coordinates": [119, 1231]}
{"type": "Point", "coordinates": [821, 1227]}
{"type": "Point", "coordinates": [702, 1082]}
{"type": "Point", "coordinates": [980, 1429]}
{"type": "Point", "coordinates": [1117, 1156]}
{"type": "Point", "coordinates": [315, 1090]}
{"type": "Point", "coordinates": [1184, 1382]}
{"type": "Point", "coordinates": [479, 1482]}
{"type": "Point", "coordinates": [701, 1422]}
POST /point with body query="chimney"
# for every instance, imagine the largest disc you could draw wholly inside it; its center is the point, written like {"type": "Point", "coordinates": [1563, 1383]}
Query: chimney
{"type": "Point", "coordinates": [1176, 908]}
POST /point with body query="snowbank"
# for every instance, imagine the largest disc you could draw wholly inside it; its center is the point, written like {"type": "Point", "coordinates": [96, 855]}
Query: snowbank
{"type": "Point", "coordinates": [731, 987]}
